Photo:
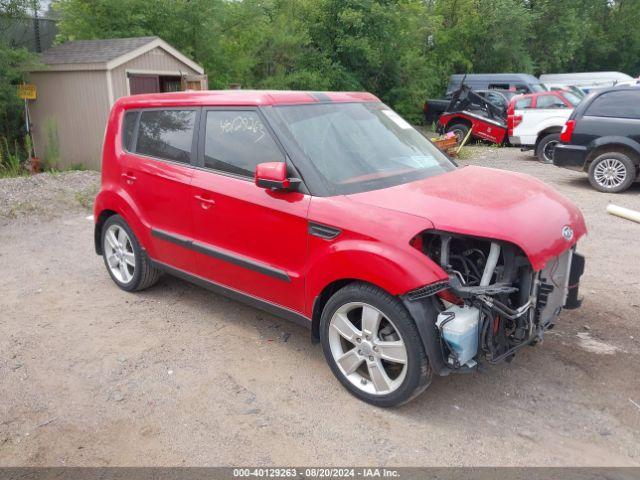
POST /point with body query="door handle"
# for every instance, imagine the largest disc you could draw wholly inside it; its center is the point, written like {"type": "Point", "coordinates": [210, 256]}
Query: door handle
{"type": "Point", "coordinates": [129, 178]}
{"type": "Point", "coordinates": [205, 203]}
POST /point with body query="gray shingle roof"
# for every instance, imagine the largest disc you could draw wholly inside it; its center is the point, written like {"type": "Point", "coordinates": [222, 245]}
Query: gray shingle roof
{"type": "Point", "coordinates": [92, 51]}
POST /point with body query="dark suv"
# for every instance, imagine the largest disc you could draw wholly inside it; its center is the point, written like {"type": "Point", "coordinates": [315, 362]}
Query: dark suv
{"type": "Point", "coordinates": [602, 137]}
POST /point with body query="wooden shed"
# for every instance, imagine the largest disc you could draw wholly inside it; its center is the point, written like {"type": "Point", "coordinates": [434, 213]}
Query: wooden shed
{"type": "Point", "coordinates": [79, 82]}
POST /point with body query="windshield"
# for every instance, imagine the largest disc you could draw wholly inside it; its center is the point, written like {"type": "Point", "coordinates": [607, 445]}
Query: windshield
{"type": "Point", "coordinates": [572, 98]}
{"type": "Point", "coordinates": [538, 87]}
{"type": "Point", "coordinates": [362, 146]}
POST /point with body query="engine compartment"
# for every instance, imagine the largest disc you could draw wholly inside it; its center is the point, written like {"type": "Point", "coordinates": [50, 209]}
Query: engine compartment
{"type": "Point", "coordinates": [494, 302]}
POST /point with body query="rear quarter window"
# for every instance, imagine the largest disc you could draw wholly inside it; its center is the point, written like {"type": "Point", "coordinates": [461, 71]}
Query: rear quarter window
{"type": "Point", "coordinates": [620, 104]}
{"type": "Point", "coordinates": [128, 127]}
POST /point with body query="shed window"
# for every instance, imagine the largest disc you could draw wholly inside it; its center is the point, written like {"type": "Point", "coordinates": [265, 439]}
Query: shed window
{"type": "Point", "coordinates": [166, 134]}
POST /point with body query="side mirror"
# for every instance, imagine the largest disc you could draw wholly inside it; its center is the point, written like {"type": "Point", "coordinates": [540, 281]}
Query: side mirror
{"type": "Point", "coordinates": [273, 176]}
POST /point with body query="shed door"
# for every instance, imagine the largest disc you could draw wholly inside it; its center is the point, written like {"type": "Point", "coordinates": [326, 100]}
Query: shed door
{"type": "Point", "coordinates": [144, 84]}
{"type": "Point", "coordinates": [194, 82]}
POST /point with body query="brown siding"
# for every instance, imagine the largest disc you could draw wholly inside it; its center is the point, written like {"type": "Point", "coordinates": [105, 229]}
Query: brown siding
{"type": "Point", "coordinates": [156, 60]}
{"type": "Point", "coordinates": [76, 104]}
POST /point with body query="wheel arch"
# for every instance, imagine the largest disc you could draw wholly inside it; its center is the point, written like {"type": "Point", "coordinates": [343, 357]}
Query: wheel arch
{"type": "Point", "coordinates": [109, 203]}
{"type": "Point", "coordinates": [97, 231]}
{"type": "Point", "coordinates": [393, 270]}
{"type": "Point", "coordinates": [547, 131]}
{"type": "Point", "coordinates": [456, 120]}
{"type": "Point", "coordinates": [321, 300]}
{"type": "Point", "coordinates": [613, 144]}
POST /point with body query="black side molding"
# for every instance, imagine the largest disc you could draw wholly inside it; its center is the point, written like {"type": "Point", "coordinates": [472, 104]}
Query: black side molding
{"type": "Point", "coordinates": [323, 231]}
{"type": "Point", "coordinates": [256, 302]}
{"type": "Point", "coordinates": [221, 254]}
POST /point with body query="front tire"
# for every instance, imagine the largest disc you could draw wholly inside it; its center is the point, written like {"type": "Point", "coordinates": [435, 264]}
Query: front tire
{"type": "Point", "coordinates": [612, 172]}
{"type": "Point", "coordinates": [373, 347]}
{"type": "Point", "coordinates": [460, 130]}
{"type": "Point", "coordinates": [546, 147]}
{"type": "Point", "coordinates": [126, 262]}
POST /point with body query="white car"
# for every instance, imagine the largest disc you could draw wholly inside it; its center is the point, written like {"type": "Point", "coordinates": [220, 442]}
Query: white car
{"type": "Point", "coordinates": [535, 120]}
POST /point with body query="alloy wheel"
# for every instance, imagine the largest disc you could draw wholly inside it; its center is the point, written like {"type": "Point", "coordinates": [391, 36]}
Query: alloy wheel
{"type": "Point", "coordinates": [549, 150]}
{"type": "Point", "coordinates": [610, 173]}
{"type": "Point", "coordinates": [367, 348]}
{"type": "Point", "coordinates": [118, 251]}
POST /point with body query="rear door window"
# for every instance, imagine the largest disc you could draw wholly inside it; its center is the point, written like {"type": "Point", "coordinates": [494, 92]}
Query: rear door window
{"type": "Point", "coordinates": [620, 104]}
{"type": "Point", "coordinates": [236, 141]}
{"type": "Point", "coordinates": [497, 99]}
{"type": "Point", "coordinates": [549, 101]}
{"type": "Point", "coordinates": [166, 134]}
{"type": "Point", "coordinates": [523, 103]}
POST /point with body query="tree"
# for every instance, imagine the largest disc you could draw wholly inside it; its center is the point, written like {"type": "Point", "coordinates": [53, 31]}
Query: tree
{"type": "Point", "coordinates": [13, 67]}
{"type": "Point", "coordinates": [401, 50]}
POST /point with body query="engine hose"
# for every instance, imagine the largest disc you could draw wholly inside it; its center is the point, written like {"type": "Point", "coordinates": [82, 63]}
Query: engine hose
{"type": "Point", "coordinates": [487, 344]}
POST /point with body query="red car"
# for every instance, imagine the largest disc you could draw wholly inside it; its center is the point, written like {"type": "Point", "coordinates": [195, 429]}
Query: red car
{"type": "Point", "coordinates": [330, 210]}
{"type": "Point", "coordinates": [495, 123]}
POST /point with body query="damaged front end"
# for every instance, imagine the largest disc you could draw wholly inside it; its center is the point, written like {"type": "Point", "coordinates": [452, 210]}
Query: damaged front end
{"type": "Point", "coordinates": [494, 302]}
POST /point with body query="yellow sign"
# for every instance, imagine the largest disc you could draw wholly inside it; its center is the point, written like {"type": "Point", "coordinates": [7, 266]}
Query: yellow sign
{"type": "Point", "coordinates": [27, 91]}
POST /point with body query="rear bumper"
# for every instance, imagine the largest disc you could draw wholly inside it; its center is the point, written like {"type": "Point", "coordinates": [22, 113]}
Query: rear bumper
{"type": "Point", "coordinates": [570, 156]}
{"type": "Point", "coordinates": [526, 141]}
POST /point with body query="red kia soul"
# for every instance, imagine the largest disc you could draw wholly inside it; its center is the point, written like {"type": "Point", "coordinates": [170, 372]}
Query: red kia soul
{"type": "Point", "coordinates": [330, 210]}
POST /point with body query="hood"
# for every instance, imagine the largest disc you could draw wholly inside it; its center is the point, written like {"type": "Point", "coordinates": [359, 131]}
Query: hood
{"type": "Point", "coordinates": [489, 203]}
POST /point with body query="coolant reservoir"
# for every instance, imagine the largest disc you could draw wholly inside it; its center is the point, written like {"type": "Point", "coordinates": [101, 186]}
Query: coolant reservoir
{"type": "Point", "coordinates": [459, 327]}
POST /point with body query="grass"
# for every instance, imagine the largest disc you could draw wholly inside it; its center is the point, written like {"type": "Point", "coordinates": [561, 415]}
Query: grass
{"type": "Point", "coordinates": [85, 198]}
{"type": "Point", "coordinates": [11, 163]}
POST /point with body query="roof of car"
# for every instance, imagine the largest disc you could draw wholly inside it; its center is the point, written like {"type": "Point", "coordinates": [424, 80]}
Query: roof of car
{"type": "Point", "coordinates": [496, 76]}
{"type": "Point", "coordinates": [242, 98]}
{"type": "Point", "coordinates": [557, 93]}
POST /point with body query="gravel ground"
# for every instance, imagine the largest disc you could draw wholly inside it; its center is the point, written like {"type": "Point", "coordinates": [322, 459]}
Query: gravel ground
{"type": "Point", "coordinates": [91, 375]}
{"type": "Point", "coordinates": [47, 193]}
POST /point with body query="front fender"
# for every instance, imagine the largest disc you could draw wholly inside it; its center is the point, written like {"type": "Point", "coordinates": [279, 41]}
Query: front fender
{"type": "Point", "coordinates": [552, 123]}
{"type": "Point", "coordinates": [394, 269]}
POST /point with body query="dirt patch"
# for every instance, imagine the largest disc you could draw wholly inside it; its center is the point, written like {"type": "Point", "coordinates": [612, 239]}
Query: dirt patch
{"type": "Point", "coordinates": [91, 375]}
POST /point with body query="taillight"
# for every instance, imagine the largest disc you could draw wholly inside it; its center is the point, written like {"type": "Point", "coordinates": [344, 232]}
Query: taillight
{"type": "Point", "coordinates": [512, 122]}
{"type": "Point", "coordinates": [567, 131]}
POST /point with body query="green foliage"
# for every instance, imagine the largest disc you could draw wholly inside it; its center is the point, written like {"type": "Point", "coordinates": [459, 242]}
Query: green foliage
{"type": "Point", "coordinates": [401, 50]}
{"type": "Point", "coordinates": [13, 63]}
{"type": "Point", "coordinates": [51, 156]}
{"type": "Point", "coordinates": [11, 156]}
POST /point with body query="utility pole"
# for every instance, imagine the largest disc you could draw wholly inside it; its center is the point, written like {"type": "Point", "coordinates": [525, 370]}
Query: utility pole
{"type": "Point", "coordinates": [36, 26]}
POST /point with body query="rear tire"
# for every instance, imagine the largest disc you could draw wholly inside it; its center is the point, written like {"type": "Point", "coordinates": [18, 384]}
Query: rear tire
{"type": "Point", "coordinates": [460, 130]}
{"type": "Point", "coordinates": [612, 172]}
{"type": "Point", "coordinates": [383, 362]}
{"type": "Point", "coordinates": [546, 147]}
{"type": "Point", "coordinates": [127, 263]}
